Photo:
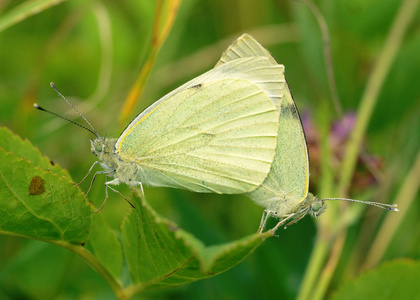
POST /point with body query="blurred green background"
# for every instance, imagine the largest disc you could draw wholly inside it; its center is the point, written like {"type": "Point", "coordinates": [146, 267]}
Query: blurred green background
{"type": "Point", "coordinates": [93, 52]}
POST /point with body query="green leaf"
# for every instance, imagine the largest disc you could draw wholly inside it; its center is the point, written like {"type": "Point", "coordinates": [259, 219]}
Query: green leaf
{"type": "Point", "coordinates": [24, 149]}
{"type": "Point", "coordinates": [398, 279]}
{"type": "Point", "coordinates": [35, 203]}
{"type": "Point", "coordinates": [104, 244]}
{"type": "Point", "coordinates": [161, 254]}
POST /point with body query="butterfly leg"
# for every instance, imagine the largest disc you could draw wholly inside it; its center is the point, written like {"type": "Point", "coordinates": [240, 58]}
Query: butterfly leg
{"type": "Point", "coordinates": [263, 222]}
{"type": "Point", "coordinates": [139, 184]}
{"type": "Point", "coordinates": [280, 223]}
{"type": "Point", "coordinates": [117, 182]}
{"type": "Point", "coordinates": [103, 203]}
{"type": "Point", "coordinates": [93, 179]}
{"type": "Point", "coordinates": [298, 216]}
{"type": "Point", "coordinates": [84, 178]}
{"type": "Point", "coordinates": [107, 186]}
{"type": "Point", "coordinates": [141, 188]}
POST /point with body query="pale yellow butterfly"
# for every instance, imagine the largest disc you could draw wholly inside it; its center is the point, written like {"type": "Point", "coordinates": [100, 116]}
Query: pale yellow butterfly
{"type": "Point", "coordinates": [216, 133]}
{"type": "Point", "coordinates": [284, 193]}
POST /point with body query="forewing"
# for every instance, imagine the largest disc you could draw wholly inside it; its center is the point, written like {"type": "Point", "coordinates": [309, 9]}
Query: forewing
{"type": "Point", "coordinates": [245, 46]}
{"type": "Point", "coordinates": [258, 70]}
{"type": "Point", "coordinates": [217, 136]}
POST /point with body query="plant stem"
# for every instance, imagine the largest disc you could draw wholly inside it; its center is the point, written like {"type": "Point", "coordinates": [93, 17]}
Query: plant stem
{"type": "Point", "coordinates": [115, 285]}
{"type": "Point", "coordinates": [401, 23]}
{"type": "Point", "coordinates": [310, 286]}
{"type": "Point", "coordinates": [404, 199]}
{"type": "Point", "coordinates": [390, 49]}
{"type": "Point", "coordinates": [319, 252]}
{"type": "Point", "coordinates": [25, 10]}
{"type": "Point", "coordinates": [328, 271]}
{"type": "Point", "coordinates": [326, 44]}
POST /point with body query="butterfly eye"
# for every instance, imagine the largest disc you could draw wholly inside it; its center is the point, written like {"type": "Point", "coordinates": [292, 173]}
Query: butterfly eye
{"type": "Point", "coordinates": [317, 207]}
{"type": "Point", "coordinates": [98, 147]}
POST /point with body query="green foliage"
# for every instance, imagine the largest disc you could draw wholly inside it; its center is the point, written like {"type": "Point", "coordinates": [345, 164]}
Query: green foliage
{"type": "Point", "coordinates": [50, 208]}
{"type": "Point", "coordinates": [394, 280]}
{"type": "Point", "coordinates": [159, 253]}
{"type": "Point", "coordinates": [35, 202]}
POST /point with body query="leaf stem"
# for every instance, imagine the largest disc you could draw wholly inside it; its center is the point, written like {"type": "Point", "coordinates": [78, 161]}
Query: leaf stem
{"type": "Point", "coordinates": [86, 255]}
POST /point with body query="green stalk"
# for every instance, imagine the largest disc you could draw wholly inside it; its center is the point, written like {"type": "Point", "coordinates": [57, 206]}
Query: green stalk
{"type": "Point", "coordinates": [323, 240]}
{"type": "Point", "coordinates": [404, 199]}
{"type": "Point", "coordinates": [24, 11]}
{"type": "Point", "coordinates": [160, 32]}
{"type": "Point", "coordinates": [401, 23]}
{"type": "Point", "coordinates": [316, 262]}
{"type": "Point", "coordinates": [315, 283]}
{"type": "Point", "coordinates": [90, 259]}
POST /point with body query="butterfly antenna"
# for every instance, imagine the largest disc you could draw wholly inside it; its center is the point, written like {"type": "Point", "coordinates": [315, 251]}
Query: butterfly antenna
{"type": "Point", "coordinates": [93, 131]}
{"type": "Point", "coordinates": [390, 207]}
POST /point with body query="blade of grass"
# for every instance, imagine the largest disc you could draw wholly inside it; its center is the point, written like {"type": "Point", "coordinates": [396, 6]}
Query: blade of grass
{"type": "Point", "coordinates": [404, 199]}
{"type": "Point", "coordinates": [326, 43]}
{"type": "Point", "coordinates": [374, 85]}
{"type": "Point", "coordinates": [158, 38]}
{"type": "Point", "coordinates": [24, 11]}
{"type": "Point", "coordinates": [312, 289]}
{"type": "Point", "coordinates": [400, 25]}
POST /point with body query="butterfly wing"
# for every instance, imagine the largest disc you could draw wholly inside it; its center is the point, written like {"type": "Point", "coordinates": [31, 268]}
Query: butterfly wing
{"type": "Point", "coordinates": [258, 70]}
{"type": "Point", "coordinates": [218, 137]}
{"type": "Point", "coordinates": [242, 166]}
{"type": "Point", "coordinates": [286, 186]}
{"type": "Point", "coordinates": [245, 46]}
{"type": "Point", "coordinates": [287, 183]}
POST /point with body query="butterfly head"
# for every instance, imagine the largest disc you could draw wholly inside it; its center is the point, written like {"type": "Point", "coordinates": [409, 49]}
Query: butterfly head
{"type": "Point", "coordinates": [316, 205]}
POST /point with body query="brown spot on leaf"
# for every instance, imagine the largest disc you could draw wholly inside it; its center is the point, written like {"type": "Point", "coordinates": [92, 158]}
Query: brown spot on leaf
{"type": "Point", "coordinates": [36, 186]}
